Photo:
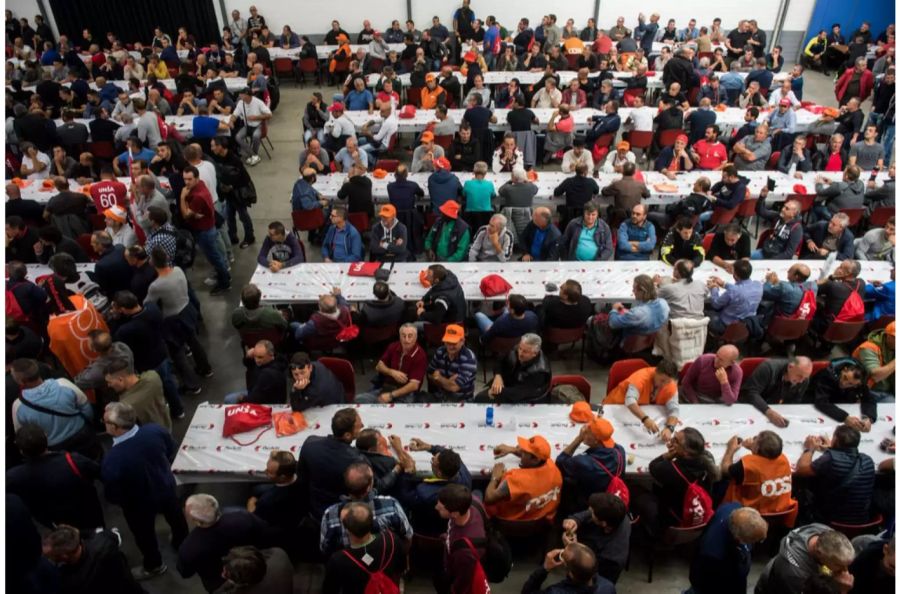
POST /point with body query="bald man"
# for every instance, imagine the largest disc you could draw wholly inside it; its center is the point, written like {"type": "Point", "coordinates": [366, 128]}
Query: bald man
{"type": "Point", "coordinates": [723, 560]}
{"type": "Point", "coordinates": [713, 378]}
{"type": "Point", "coordinates": [30, 210]}
{"type": "Point", "coordinates": [540, 238]}
{"type": "Point", "coordinates": [777, 381]}
{"type": "Point", "coordinates": [266, 380]}
{"type": "Point", "coordinates": [581, 572]}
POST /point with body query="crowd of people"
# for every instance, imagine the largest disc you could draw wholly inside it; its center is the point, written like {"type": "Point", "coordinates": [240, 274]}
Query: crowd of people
{"type": "Point", "coordinates": [100, 358]}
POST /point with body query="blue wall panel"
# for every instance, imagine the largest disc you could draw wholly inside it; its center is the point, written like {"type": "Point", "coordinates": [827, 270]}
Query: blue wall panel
{"type": "Point", "coordinates": [850, 13]}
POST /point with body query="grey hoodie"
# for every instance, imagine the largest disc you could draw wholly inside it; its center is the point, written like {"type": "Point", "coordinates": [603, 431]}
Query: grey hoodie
{"type": "Point", "coordinates": [794, 564]}
{"type": "Point", "coordinates": [842, 194]}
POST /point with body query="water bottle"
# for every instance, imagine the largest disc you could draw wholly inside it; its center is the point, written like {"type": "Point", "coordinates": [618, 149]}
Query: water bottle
{"type": "Point", "coordinates": [489, 416]}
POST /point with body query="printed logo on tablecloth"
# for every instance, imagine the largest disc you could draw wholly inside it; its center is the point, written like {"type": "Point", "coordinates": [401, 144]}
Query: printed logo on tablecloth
{"type": "Point", "coordinates": [644, 445]}
{"type": "Point", "coordinates": [203, 426]}
{"type": "Point", "coordinates": [812, 420]}
{"type": "Point", "coordinates": [229, 447]}
{"type": "Point", "coordinates": [459, 425]}
{"type": "Point", "coordinates": [417, 426]}
{"type": "Point", "coordinates": [380, 426]}
{"type": "Point", "coordinates": [565, 425]}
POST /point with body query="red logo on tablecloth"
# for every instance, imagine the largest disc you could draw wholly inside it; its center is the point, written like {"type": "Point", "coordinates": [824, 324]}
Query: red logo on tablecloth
{"type": "Point", "coordinates": [452, 425]}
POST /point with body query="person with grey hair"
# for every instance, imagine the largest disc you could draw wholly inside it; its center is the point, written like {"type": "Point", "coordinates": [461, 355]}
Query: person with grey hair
{"type": "Point", "coordinates": [522, 376]}
{"type": "Point", "coordinates": [540, 238]}
{"type": "Point", "coordinates": [724, 558]}
{"type": "Point", "coordinates": [214, 534]}
{"type": "Point", "coordinates": [493, 242]}
{"type": "Point", "coordinates": [146, 196]}
{"type": "Point", "coordinates": [266, 380]}
{"type": "Point", "coordinates": [833, 235]}
{"type": "Point", "coordinates": [126, 130]}
{"type": "Point", "coordinates": [401, 370]}
{"type": "Point", "coordinates": [247, 570]}
{"type": "Point", "coordinates": [804, 552]}
{"type": "Point", "coordinates": [137, 475]}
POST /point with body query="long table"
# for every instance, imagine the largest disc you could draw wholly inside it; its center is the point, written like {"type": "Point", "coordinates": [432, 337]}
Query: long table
{"type": "Point", "coordinates": [606, 282]}
{"type": "Point", "coordinates": [547, 181]}
{"type": "Point", "coordinates": [233, 83]}
{"type": "Point", "coordinates": [205, 456]}
{"type": "Point", "coordinates": [36, 191]}
{"type": "Point", "coordinates": [728, 120]}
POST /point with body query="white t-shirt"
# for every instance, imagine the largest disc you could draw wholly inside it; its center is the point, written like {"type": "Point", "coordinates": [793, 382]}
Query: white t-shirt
{"type": "Point", "coordinates": [208, 176]}
{"type": "Point", "coordinates": [256, 107]}
{"type": "Point", "coordinates": [387, 129]}
{"type": "Point", "coordinates": [43, 158]}
{"type": "Point", "coordinates": [642, 119]}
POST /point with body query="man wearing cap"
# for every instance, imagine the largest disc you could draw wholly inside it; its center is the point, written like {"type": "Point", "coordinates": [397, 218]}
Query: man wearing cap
{"type": "Point", "coordinates": [782, 125]}
{"type": "Point", "coordinates": [389, 238]}
{"type": "Point", "coordinates": [118, 227]}
{"type": "Point", "coordinates": [674, 159]}
{"type": "Point", "coordinates": [254, 113]}
{"type": "Point", "coordinates": [449, 237]}
{"type": "Point", "coordinates": [529, 492]}
{"type": "Point", "coordinates": [617, 158]}
{"type": "Point", "coordinates": [338, 128]}
{"type": "Point", "coordinates": [426, 153]}
{"type": "Point", "coordinates": [351, 155]}
{"type": "Point", "coordinates": [650, 385]}
{"type": "Point", "coordinates": [522, 376]}
{"type": "Point", "coordinates": [433, 94]}
{"type": "Point", "coordinates": [452, 369]}
{"type": "Point", "coordinates": [585, 472]}
{"type": "Point", "coordinates": [877, 356]}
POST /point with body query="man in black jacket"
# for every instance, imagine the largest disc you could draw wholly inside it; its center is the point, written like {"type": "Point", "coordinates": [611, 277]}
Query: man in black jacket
{"type": "Point", "coordinates": [266, 380]}
{"type": "Point", "coordinates": [313, 384]}
{"type": "Point", "coordinates": [444, 302]}
{"type": "Point", "coordinates": [570, 309]}
{"type": "Point", "coordinates": [680, 69]}
{"type": "Point", "coordinates": [522, 376]}
{"type": "Point", "coordinates": [844, 381]}
{"type": "Point", "coordinates": [111, 271]}
{"type": "Point", "coordinates": [94, 564]}
{"type": "Point", "coordinates": [542, 229]}
{"type": "Point", "coordinates": [323, 460]}
{"type": "Point", "coordinates": [776, 381]}
{"type": "Point", "coordinates": [385, 310]}
{"type": "Point", "coordinates": [465, 150]}
{"type": "Point", "coordinates": [235, 188]}
{"type": "Point", "coordinates": [581, 573]}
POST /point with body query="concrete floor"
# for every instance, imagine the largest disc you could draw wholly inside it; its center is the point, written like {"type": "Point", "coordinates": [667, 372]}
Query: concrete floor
{"type": "Point", "coordinates": [274, 179]}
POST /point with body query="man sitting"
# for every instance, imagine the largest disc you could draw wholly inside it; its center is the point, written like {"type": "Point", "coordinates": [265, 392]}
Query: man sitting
{"type": "Point", "coordinates": [588, 238]}
{"type": "Point", "coordinates": [637, 236]}
{"type": "Point", "coordinates": [605, 528]}
{"type": "Point", "coordinates": [342, 242]}
{"type": "Point", "coordinates": [493, 242]}
{"type": "Point", "coordinates": [387, 309]}
{"type": "Point", "coordinates": [401, 370]}
{"type": "Point", "coordinates": [332, 316]}
{"type": "Point", "coordinates": [842, 478]}
{"type": "Point", "coordinates": [786, 236]}
{"type": "Point", "coordinates": [807, 552]}
{"type": "Point", "coordinates": [265, 381]}
{"type": "Point", "coordinates": [522, 376]}
{"type": "Point", "coordinates": [591, 471]}
{"type": "Point", "coordinates": [844, 381]}
{"type": "Point", "coordinates": [313, 384]}
{"type": "Point", "coordinates": [729, 244]}
{"type": "Point", "coordinates": [388, 515]}
{"type": "Point", "coordinates": [760, 479]}
{"type": "Point", "coordinates": [724, 558]}
{"type": "Point", "coordinates": [876, 244]}
{"type": "Point", "coordinates": [324, 460]}
{"type": "Point", "coordinates": [777, 381]}
{"type": "Point", "coordinates": [569, 309]}
{"type": "Point", "coordinates": [444, 302]}
{"type": "Point", "coordinates": [713, 377]}
{"type": "Point", "coordinates": [452, 369]}
{"type": "Point", "coordinates": [738, 302]}
{"type": "Point", "coordinates": [650, 385]}
{"type": "Point", "coordinates": [420, 496]}
{"type": "Point", "coordinates": [279, 249]}
{"type": "Point", "coordinates": [682, 243]}
{"type": "Point", "coordinates": [784, 298]}
{"type": "Point", "coordinates": [834, 293]}
{"type": "Point", "coordinates": [449, 236]}
{"type": "Point", "coordinates": [877, 355]}
{"type": "Point", "coordinates": [540, 239]}
{"type": "Point", "coordinates": [516, 320]}
{"type": "Point", "coordinates": [847, 193]}
{"type": "Point", "coordinates": [824, 237]}
{"type": "Point", "coordinates": [581, 572]}
{"type": "Point", "coordinates": [529, 492]}
{"type": "Point", "coordinates": [250, 316]}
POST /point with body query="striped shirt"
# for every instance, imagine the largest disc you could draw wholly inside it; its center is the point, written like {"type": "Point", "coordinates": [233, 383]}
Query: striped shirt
{"type": "Point", "coordinates": [163, 237]}
{"type": "Point", "coordinates": [388, 515]}
{"type": "Point", "coordinates": [465, 366]}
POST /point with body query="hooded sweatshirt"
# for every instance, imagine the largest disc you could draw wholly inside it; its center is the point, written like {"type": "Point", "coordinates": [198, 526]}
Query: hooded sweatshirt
{"type": "Point", "coordinates": [794, 564]}
{"type": "Point", "coordinates": [61, 396]}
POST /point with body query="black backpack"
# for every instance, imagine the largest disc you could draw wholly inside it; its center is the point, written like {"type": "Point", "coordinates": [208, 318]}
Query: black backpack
{"type": "Point", "coordinates": [497, 561]}
{"type": "Point", "coordinates": [185, 247]}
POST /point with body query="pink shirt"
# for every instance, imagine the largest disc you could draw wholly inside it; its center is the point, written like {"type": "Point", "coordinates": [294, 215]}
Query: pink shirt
{"type": "Point", "coordinates": [701, 379]}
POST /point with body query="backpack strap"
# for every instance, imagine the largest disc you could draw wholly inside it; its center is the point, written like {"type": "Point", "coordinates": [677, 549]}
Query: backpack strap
{"type": "Point", "coordinates": [266, 428]}
{"type": "Point", "coordinates": [681, 474]}
{"type": "Point", "coordinates": [605, 469]}
{"type": "Point", "coordinates": [47, 411]}
{"type": "Point", "coordinates": [384, 555]}
{"type": "Point", "coordinates": [72, 465]}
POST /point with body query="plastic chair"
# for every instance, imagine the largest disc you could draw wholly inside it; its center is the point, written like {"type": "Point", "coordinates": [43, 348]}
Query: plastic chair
{"type": "Point", "coordinates": [498, 345]}
{"type": "Point", "coordinates": [560, 336]}
{"type": "Point", "coordinates": [98, 221]}
{"type": "Point", "coordinates": [640, 140]}
{"type": "Point", "coordinates": [622, 370]}
{"type": "Point", "coordinates": [308, 66]}
{"type": "Point", "coordinates": [249, 338]}
{"type": "Point", "coordinates": [307, 220]}
{"type": "Point", "coordinates": [672, 538]}
{"type": "Point", "coordinates": [667, 137]}
{"type": "Point", "coordinates": [817, 367]}
{"type": "Point", "coordinates": [414, 96]}
{"type": "Point", "coordinates": [638, 343]}
{"type": "Point", "coordinates": [773, 160]}
{"type": "Point", "coordinates": [343, 369]}
{"type": "Point", "coordinates": [84, 242]}
{"type": "Point", "coordinates": [389, 165]}
{"type": "Point", "coordinates": [735, 333]}
{"type": "Point", "coordinates": [375, 335]}
{"type": "Point", "coordinates": [102, 149]}
{"type": "Point", "coordinates": [284, 66]}
{"type": "Point", "coordinates": [854, 214]}
{"type": "Point", "coordinates": [853, 530]}
{"type": "Point", "coordinates": [880, 216]}
{"type": "Point", "coordinates": [577, 381]}
{"type": "Point", "coordinates": [746, 210]}
{"type": "Point", "coordinates": [749, 364]}
{"type": "Point", "coordinates": [707, 241]}
{"type": "Point", "coordinates": [444, 141]}
{"type": "Point", "coordinates": [880, 323]}
{"type": "Point", "coordinates": [782, 330]}
{"type": "Point", "coordinates": [766, 234]}
{"type": "Point", "coordinates": [721, 216]}
{"type": "Point", "coordinates": [842, 332]}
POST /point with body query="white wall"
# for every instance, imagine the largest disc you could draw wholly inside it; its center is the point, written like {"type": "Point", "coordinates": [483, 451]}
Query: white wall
{"type": "Point", "coordinates": [506, 12]}
{"type": "Point", "coordinates": [316, 15]}
{"type": "Point", "coordinates": [799, 13]}
{"type": "Point", "coordinates": [28, 9]}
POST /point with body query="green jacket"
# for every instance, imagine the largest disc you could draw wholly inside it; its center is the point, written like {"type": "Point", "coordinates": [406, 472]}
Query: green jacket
{"type": "Point", "coordinates": [874, 353]}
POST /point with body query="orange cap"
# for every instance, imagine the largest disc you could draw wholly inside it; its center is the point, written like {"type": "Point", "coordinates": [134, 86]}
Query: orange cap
{"type": "Point", "coordinates": [450, 208]}
{"type": "Point", "coordinates": [623, 146]}
{"type": "Point", "coordinates": [379, 173]}
{"type": "Point", "coordinates": [427, 136]}
{"type": "Point", "coordinates": [602, 430]}
{"type": "Point", "coordinates": [442, 163]}
{"type": "Point", "coordinates": [581, 412]}
{"type": "Point", "coordinates": [454, 333]}
{"type": "Point", "coordinates": [891, 329]}
{"type": "Point", "coordinates": [387, 210]}
{"type": "Point", "coordinates": [536, 445]}
{"type": "Point", "coordinates": [430, 76]}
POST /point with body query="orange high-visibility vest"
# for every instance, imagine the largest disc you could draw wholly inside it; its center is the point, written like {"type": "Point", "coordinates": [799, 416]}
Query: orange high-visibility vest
{"type": "Point", "coordinates": [533, 493]}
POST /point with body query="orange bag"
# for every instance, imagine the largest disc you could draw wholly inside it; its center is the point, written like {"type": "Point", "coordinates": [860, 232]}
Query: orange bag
{"type": "Point", "coordinates": [69, 334]}
{"type": "Point", "coordinates": [289, 423]}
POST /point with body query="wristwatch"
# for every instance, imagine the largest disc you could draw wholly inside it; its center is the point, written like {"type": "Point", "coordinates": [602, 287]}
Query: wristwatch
{"type": "Point", "coordinates": [671, 428]}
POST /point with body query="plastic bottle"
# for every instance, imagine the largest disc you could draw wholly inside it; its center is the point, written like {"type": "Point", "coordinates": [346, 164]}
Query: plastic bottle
{"type": "Point", "coordinates": [489, 416]}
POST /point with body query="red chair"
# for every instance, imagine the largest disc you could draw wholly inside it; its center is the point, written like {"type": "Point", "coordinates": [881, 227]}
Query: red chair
{"type": "Point", "coordinates": [578, 381]}
{"type": "Point", "coordinates": [389, 165]}
{"type": "Point", "coordinates": [343, 369]}
{"type": "Point", "coordinates": [746, 211]}
{"type": "Point", "coordinates": [604, 141]}
{"type": "Point", "coordinates": [683, 371]}
{"type": "Point", "coordinates": [782, 330]}
{"type": "Point", "coordinates": [414, 96]}
{"type": "Point", "coordinates": [307, 220]}
{"type": "Point", "coordinates": [621, 370]}
{"type": "Point", "coordinates": [638, 343]}
{"type": "Point", "coordinates": [360, 220]}
{"type": "Point", "coordinates": [842, 332]}
{"type": "Point", "coordinates": [722, 216]}
{"type": "Point", "coordinates": [817, 367]}
{"type": "Point", "coordinates": [880, 323]}
{"type": "Point", "coordinates": [102, 149]}
{"type": "Point", "coordinates": [854, 214]}
{"type": "Point", "coordinates": [309, 66]}
{"type": "Point", "coordinates": [98, 221]}
{"type": "Point", "coordinates": [444, 141]}
{"type": "Point", "coordinates": [640, 140]}
{"type": "Point", "coordinates": [249, 338]}
{"type": "Point", "coordinates": [628, 98]}
{"type": "Point", "coordinates": [560, 336]}
{"type": "Point", "coordinates": [735, 333]}
{"type": "Point", "coordinates": [749, 364]}
{"type": "Point", "coordinates": [707, 241]}
{"type": "Point", "coordinates": [806, 201]}
{"type": "Point", "coordinates": [667, 137]}
{"type": "Point", "coordinates": [692, 95]}
{"type": "Point", "coordinates": [373, 336]}
{"type": "Point", "coordinates": [773, 160]}
{"type": "Point", "coordinates": [285, 67]}
{"type": "Point", "coordinates": [880, 216]}
{"type": "Point", "coordinates": [434, 334]}
{"type": "Point", "coordinates": [853, 530]}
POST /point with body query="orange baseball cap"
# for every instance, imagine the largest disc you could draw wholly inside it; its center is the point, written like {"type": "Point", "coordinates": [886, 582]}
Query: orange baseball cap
{"type": "Point", "coordinates": [831, 112]}
{"type": "Point", "coordinates": [427, 136]}
{"type": "Point", "coordinates": [387, 210]}
{"type": "Point", "coordinates": [442, 163]}
{"type": "Point", "coordinates": [602, 430]}
{"type": "Point", "coordinates": [581, 412]}
{"type": "Point", "coordinates": [116, 213]}
{"type": "Point", "coordinates": [891, 329]}
{"type": "Point", "coordinates": [536, 445]}
{"type": "Point", "coordinates": [623, 146]}
{"type": "Point", "coordinates": [454, 333]}
{"type": "Point", "coordinates": [450, 208]}
{"type": "Point", "coordinates": [430, 76]}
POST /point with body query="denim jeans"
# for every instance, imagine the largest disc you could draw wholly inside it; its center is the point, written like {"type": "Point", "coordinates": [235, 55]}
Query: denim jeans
{"type": "Point", "coordinates": [757, 255]}
{"type": "Point", "coordinates": [372, 148]}
{"type": "Point", "coordinates": [222, 242]}
{"type": "Point", "coordinates": [234, 397]}
{"type": "Point", "coordinates": [207, 242]}
{"type": "Point", "coordinates": [308, 134]}
{"type": "Point", "coordinates": [170, 388]}
{"type": "Point", "coordinates": [704, 217]}
{"type": "Point", "coordinates": [232, 211]}
{"type": "Point", "coordinates": [887, 140]}
{"type": "Point", "coordinates": [820, 212]}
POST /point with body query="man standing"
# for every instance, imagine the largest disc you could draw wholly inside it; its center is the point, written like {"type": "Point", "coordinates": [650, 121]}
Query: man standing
{"type": "Point", "coordinates": [137, 475]}
{"type": "Point", "coordinates": [144, 392]}
{"type": "Point", "coordinates": [197, 208]}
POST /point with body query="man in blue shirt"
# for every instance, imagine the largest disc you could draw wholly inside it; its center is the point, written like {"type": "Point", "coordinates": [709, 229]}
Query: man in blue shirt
{"type": "Point", "coordinates": [136, 151]}
{"type": "Point", "coordinates": [647, 31]}
{"type": "Point", "coordinates": [591, 470]}
{"type": "Point", "coordinates": [342, 242]}
{"type": "Point", "coordinates": [783, 297]}
{"type": "Point", "coordinates": [738, 302]}
{"type": "Point", "coordinates": [453, 368]}
{"type": "Point", "coordinates": [636, 236]}
{"type": "Point", "coordinates": [360, 98]}
{"type": "Point", "coordinates": [540, 239]}
{"type": "Point", "coordinates": [723, 560]}
{"type": "Point", "coordinates": [782, 125]}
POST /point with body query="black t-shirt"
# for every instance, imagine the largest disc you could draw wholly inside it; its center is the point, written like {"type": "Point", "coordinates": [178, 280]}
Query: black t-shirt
{"type": "Point", "coordinates": [738, 41]}
{"type": "Point", "coordinates": [479, 117]}
{"type": "Point", "coordinates": [68, 203]}
{"type": "Point", "coordinates": [562, 315]}
{"type": "Point", "coordinates": [520, 119]}
{"type": "Point", "coordinates": [719, 248]}
{"type": "Point", "coordinates": [344, 576]}
{"type": "Point", "coordinates": [280, 506]}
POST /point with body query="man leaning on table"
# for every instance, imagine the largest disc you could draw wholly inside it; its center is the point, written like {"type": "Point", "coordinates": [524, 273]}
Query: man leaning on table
{"type": "Point", "coordinates": [529, 492]}
{"type": "Point", "coordinates": [713, 377]}
{"type": "Point", "coordinates": [650, 385]}
{"type": "Point", "coordinates": [777, 381]}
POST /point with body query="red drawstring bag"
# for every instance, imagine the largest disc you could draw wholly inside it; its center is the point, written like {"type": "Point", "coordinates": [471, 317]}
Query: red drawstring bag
{"type": "Point", "coordinates": [407, 112]}
{"type": "Point", "coordinates": [494, 284]}
{"type": "Point", "coordinates": [240, 418]}
{"type": "Point", "coordinates": [363, 268]}
{"type": "Point", "coordinates": [799, 189]}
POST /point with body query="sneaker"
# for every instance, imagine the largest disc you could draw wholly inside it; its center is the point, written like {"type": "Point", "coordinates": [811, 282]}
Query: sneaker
{"type": "Point", "coordinates": [253, 160]}
{"type": "Point", "coordinates": [220, 290]}
{"type": "Point", "coordinates": [247, 243]}
{"type": "Point", "coordinates": [180, 416]}
{"type": "Point", "coordinates": [249, 160]}
{"type": "Point", "coordinates": [140, 574]}
{"type": "Point", "coordinates": [211, 281]}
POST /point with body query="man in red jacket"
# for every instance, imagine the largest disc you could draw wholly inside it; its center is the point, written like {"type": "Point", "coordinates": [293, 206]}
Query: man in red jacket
{"type": "Point", "coordinates": [855, 82]}
{"type": "Point", "coordinates": [200, 216]}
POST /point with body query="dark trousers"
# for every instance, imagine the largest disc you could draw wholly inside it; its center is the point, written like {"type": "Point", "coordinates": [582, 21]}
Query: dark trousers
{"type": "Point", "coordinates": [234, 209]}
{"type": "Point", "coordinates": [170, 388]}
{"type": "Point", "coordinates": [141, 518]}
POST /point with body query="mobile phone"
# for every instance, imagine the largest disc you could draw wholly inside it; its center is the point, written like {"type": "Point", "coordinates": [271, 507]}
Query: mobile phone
{"type": "Point", "coordinates": [770, 183]}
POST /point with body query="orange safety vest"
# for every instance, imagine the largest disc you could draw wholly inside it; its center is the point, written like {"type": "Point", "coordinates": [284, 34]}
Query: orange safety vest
{"type": "Point", "coordinates": [69, 334]}
{"type": "Point", "coordinates": [869, 346]}
{"type": "Point", "coordinates": [766, 486]}
{"type": "Point", "coordinates": [342, 49]}
{"type": "Point", "coordinates": [533, 493]}
{"type": "Point", "coordinates": [573, 45]}
{"type": "Point", "coordinates": [430, 98]}
{"type": "Point", "coordinates": [642, 379]}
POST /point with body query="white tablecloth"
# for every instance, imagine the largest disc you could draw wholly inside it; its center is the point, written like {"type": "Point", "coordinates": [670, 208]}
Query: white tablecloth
{"type": "Point", "coordinates": [233, 83]}
{"type": "Point", "coordinates": [548, 181]}
{"type": "Point", "coordinates": [323, 51]}
{"type": "Point", "coordinates": [729, 119]}
{"type": "Point", "coordinates": [36, 271]}
{"type": "Point", "coordinates": [37, 192]}
{"type": "Point", "coordinates": [600, 281]}
{"type": "Point", "coordinates": [205, 456]}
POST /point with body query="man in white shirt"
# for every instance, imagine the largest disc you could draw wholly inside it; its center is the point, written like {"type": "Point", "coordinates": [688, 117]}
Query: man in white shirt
{"type": "Point", "coordinates": [548, 97]}
{"type": "Point", "coordinates": [783, 92]}
{"type": "Point", "coordinates": [377, 138]}
{"type": "Point", "coordinates": [254, 113]}
{"type": "Point", "coordinates": [641, 117]}
{"type": "Point", "coordinates": [378, 49]}
{"type": "Point", "coordinates": [123, 106]}
{"type": "Point", "coordinates": [576, 156]}
{"type": "Point", "coordinates": [338, 128]}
